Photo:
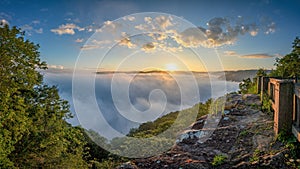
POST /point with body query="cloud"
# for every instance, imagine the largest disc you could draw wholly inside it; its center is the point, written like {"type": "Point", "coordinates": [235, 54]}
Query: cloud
{"type": "Point", "coordinates": [270, 28]}
{"type": "Point", "coordinates": [102, 42]}
{"type": "Point", "coordinates": [149, 47]}
{"type": "Point", "coordinates": [139, 92]}
{"type": "Point", "coordinates": [164, 21]}
{"type": "Point", "coordinates": [129, 18]}
{"type": "Point", "coordinates": [89, 47]}
{"type": "Point", "coordinates": [248, 56]}
{"type": "Point", "coordinates": [95, 44]}
{"type": "Point", "coordinates": [55, 67]}
{"type": "Point", "coordinates": [76, 20]}
{"type": "Point", "coordinates": [31, 28]}
{"type": "Point", "coordinates": [159, 23]}
{"type": "Point", "coordinates": [219, 31]}
{"type": "Point", "coordinates": [109, 26]}
{"type": "Point", "coordinates": [68, 28]}
{"type": "Point", "coordinates": [36, 22]}
{"type": "Point", "coordinates": [40, 30]}
{"type": "Point", "coordinates": [3, 22]}
{"type": "Point", "coordinates": [148, 19]}
{"type": "Point", "coordinates": [141, 27]}
{"type": "Point", "coordinates": [257, 56]}
{"type": "Point", "coordinates": [78, 40]}
{"type": "Point", "coordinates": [230, 53]}
{"type": "Point", "coordinates": [26, 27]}
{"type": "Point", "coordinates": [253, 32]}
{"type": "Point", "coordinates": [191, 37]}
{"type": "Point", "coordinates": [222, 31]}
{"type": "Point", "coordinates": [125, 41]}
{"type": "Point", "coordinates": [167, 48]}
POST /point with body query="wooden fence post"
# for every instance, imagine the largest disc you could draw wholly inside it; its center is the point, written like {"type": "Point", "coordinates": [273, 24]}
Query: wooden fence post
{"type": "Point", "coordinates": [264, 86]}
{"type": "Point", "coordinates": [296, 112]}
{"type": "Point", "coordinates": [258, 82]}
{"type": "Point", "coordinates": [283, 105]}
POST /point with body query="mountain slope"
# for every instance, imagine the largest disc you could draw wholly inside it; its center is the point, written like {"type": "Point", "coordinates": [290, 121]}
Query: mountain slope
{"type": "Point", "coordinates": [244, 138]}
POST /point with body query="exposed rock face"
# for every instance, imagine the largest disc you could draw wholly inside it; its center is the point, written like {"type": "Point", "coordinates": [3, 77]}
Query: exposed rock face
{"type": "Point", "coordinates": [244, 138]}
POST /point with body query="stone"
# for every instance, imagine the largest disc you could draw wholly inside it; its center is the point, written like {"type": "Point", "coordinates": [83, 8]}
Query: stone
{"type": "Point", "coordinates": [230, 105]}
{"type": "Point", "coordinates": [262, 142]}
{"type": "Point", "coordinates": [226, 112]}
{"type": "Point", "coordinates": [190, 136]}
{"type": "Point", "coordinates": [199, 123]}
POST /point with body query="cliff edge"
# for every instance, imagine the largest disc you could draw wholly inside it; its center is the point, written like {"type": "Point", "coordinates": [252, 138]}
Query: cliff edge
{"type": "Point", "coordinates": [244, 138]}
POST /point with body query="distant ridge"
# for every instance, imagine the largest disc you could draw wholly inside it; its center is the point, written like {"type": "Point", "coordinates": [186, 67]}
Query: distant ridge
{"type": "Point", "coordinates": [149, 72]}
{"type": "Point", "coordinates": [239, 75]}
{"type": "Point", "coordinates": [235, 75]}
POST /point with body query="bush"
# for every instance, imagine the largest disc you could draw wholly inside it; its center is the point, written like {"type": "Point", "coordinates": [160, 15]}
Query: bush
{"type": "Point", "coordinates": [218, 160]}
{"type": "Point", "coordinates": [266, 104]}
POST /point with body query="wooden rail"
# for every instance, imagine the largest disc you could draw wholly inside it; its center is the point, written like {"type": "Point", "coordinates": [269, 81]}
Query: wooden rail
{"type": "Point", "coordinates": [284, 96]}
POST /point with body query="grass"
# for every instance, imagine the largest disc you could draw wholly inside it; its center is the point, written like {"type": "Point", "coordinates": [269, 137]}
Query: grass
{"type": "Point", "coordinates": [244, 133]}
{"type": "Point", "coordinates": [255, 156]}
{"type": "Point", "coordinates": [218, 160]}
{"type": "Point", "coordinates": [266, 104]}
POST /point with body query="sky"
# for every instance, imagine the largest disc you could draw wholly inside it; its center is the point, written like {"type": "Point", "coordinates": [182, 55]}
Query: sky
{"type": "Point", "coordinates": [102, 35]}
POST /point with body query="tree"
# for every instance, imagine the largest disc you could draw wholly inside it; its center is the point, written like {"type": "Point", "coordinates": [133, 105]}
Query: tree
{"type": "Point", "coordinates": [245, 86]}
{"type": "Point", "coordinates": [33, 130]}
{"type": "Point", "coordinates": [260, 72]}
{"type": "Point", "coordinates": [289, 65]}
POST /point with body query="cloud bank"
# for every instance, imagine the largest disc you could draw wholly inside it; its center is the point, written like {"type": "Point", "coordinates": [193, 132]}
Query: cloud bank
{"type": "Point", "coordinates": [248, 56]}
{"type": "Point", "coordinates": [174, 96]}
{"type": "Point", "coordinates": [165, 33]}
{"type": "Point", "coordinates": [257, 56]}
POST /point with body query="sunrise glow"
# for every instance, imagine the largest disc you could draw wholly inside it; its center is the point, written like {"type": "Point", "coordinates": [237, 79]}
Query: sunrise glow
{"type": "Point", "coordinates": [171, 67]}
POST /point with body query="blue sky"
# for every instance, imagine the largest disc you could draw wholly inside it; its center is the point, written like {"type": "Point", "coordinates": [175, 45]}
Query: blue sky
{"type": "Point", "coordinates": [63, 27]}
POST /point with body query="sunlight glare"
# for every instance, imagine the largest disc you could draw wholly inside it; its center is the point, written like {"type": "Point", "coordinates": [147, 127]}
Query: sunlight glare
{"type": "Point", "coordinates": [171, 67]}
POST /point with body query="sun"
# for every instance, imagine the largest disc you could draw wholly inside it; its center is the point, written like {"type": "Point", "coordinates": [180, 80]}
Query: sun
{"type": "Point", "coordinates": [171, 67]}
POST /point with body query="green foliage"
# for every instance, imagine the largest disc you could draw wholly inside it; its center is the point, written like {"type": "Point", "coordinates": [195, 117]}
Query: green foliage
{"type": "Point", "coordinates": [261, 72]}
{"type": "Point", "coordinates": [218, 160]}
{"type": "Point", "coordinates": [133, 147]}
{"type": "Point", "coordinates": [289, 65]}
{"type": "Point", "coordinates": [163, 123]}
{"type": "Point", "coordinates": [246, 86]}
{"type": "Point", "coordinates": [266, 104]}
{"type": "Point", "coordinates": [33, 130]}
{"type": "Point", "coordinates": [250, 86]}
{"type": "Point", "coordinates": [244, 133]}
{"type": "Point", "coordinates": [255, 156]}
{"type": "Point", "coordinates": [290, 143]}
{"type": "Point", "coordinates": [166, 127]}
{"type": "Point", "coordinates": [106, 163]}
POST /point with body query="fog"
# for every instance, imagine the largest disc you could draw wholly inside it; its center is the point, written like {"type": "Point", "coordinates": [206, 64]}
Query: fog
{"type": "Point", "coordinates": [124, 100]}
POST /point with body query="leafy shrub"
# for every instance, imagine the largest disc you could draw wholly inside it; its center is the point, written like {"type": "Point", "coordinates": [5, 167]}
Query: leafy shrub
{"type": "Point", "coordinates": [218, 160]}
{"type": "Point", "coordinates": [266, 104]}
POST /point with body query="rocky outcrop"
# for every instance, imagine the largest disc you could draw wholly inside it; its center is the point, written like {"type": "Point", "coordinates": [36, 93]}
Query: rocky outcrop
{"type": "Point", "coordinates": [244, 138]}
